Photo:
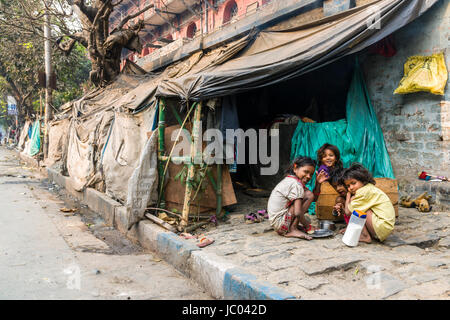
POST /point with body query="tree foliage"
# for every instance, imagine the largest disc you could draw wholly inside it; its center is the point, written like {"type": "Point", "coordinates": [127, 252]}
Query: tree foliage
{"type": "Point", "coordinates": [91, 29]}
{"type": "Point", "coordinates": [22, 58]}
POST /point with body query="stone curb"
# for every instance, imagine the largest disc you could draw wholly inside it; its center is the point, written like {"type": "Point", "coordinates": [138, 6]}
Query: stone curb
{"type": "Point", "coordinates": [28, 160]}
{"type": "Point", "coordinates": [220, 278]}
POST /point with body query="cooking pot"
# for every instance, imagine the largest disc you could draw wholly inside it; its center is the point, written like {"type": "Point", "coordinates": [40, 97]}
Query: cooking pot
{"type": "Point", "coordinates": [327, 225]}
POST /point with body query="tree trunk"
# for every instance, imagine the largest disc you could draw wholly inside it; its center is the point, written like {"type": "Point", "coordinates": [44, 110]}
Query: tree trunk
{"type": "Point", "coordinates": [106, 58]}
{"type": "Point", "coordinates": [105, 48]}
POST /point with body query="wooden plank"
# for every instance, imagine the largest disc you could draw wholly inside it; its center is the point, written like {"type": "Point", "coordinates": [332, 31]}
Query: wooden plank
{"type": "Point", "coordinates": [175, 190]}
{"type": "Point", "coordinates": [160, 222]}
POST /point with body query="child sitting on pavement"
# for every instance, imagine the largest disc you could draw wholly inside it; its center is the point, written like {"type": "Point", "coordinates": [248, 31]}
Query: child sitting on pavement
{"type": "Point", "coordinates": [290, 199]}
{"type": "Point", "coordinates": [364, 196]}
{"type": "Point", "coordinates": [338, 185]}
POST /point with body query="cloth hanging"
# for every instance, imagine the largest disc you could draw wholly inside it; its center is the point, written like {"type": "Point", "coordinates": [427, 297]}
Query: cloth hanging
{"type": "Point", "coordinates": [385, 47]}
{"type": "Point", "coordinates": [223, 115]}
{"type": "Point", "coordinates": [35, 138]}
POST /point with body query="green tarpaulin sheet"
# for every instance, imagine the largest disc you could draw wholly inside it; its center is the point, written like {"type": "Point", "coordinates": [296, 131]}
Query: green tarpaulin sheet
{"type": "Point", "coordinates": [35, 138]}
{"type": "Point", "coordinates": [358, 137]}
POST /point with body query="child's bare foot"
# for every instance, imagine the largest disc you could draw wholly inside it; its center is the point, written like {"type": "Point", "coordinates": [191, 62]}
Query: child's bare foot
{"type": "Point", "coordinates": [342, 231]}
{"type": "Point", "coordinates": [297, 234]}
{"type": "Point", "coordinates": [365, 238]}
{"type": "Point", "coordinates": [309, 230]}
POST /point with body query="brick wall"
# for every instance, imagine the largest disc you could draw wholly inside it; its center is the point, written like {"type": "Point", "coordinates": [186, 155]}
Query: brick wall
{"type": "Point", "coordinates": [415, 126]}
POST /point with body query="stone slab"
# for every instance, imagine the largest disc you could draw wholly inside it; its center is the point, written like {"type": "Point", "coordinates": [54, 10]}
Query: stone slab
{"type": "Point", "coordinates": [425, 278]}
{"type": "Point", "coordinates": [444, 242]}
{"type": "Point", "coordinates": [388, 283]}
{"type": "Point", "coordinates": [437, 263]}
{"type": "Point", "coordinates": [423, 241]}
{"type": "Point", "coordinates": [393, 287]}
{"type": "Point", "coordinates": [312, 283]}
{"type": "Point", "coordinates": [408, 250]}
{"type": "Point", "coordinates": [316, 267]}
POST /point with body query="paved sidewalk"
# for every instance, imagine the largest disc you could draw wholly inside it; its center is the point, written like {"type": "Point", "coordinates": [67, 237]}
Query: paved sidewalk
{"type": "Point", "coordinates": [413, 263]}
{"type": "Point", "coordinates": [49, 254]}
{"type": "Point", "coordinates": [251, 261]}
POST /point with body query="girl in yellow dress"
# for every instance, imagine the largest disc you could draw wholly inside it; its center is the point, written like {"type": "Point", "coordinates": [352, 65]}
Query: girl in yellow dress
{"type": "Point", "coordinates": [364, 196]}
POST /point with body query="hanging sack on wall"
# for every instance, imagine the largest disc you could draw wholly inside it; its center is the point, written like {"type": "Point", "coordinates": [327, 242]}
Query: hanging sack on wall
{"type": "Point", "coordinates": [424, 73]}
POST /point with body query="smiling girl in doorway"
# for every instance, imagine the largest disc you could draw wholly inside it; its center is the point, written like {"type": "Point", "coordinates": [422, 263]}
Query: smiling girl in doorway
{"type": "Point", "coordinates": [330, 162]}
{"type": "Point", "coordinates": [290, 199]}
{"type": "Point", "coordinates": [329, 158]}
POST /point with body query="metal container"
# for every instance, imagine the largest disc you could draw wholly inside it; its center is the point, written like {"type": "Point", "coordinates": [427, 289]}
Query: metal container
{"type": "Point", "coordinates": [322, 233]}
{"type": "Point", "coordinates": [327, 225]}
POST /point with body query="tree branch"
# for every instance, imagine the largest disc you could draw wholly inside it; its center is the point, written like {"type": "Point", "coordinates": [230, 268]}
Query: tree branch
{"type": "Point", "coordinates": [65, 47]}
{"type": "Point", "coordinates": [13, 87]}
{"type": "Point", "coordinates": [128, 18]}
{"type": "Point", "coordinates": [100, 12]}
{"type": "Point", "coordinates": [86, 13]}
{"type": "Point", "coordinates": [28, 95]}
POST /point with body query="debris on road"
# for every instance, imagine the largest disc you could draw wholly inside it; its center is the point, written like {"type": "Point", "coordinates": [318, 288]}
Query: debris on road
{"type": "Point", "coordinates": [67, 209]}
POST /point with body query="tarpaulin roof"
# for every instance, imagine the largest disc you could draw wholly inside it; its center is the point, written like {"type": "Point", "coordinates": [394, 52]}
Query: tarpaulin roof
{"type": "Point", "coordinates": [281, 52]}
{"type": "Point", "coordinates": [276, 55]}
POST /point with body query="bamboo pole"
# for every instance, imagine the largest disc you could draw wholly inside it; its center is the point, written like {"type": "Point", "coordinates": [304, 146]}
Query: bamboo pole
{"type": "Point", "coordinates": [170, 213]}
{"type": "Point", "coordinates": [177, 116]}
{"type": "Point", "coordinates": [160, 222]}
{"type": "Point", "coordinates": [180, 159]}
{"type": "Point", "coordinates": [163, 170]}
{"type": "Point", "coordinates": [219, 190]}
{"type": "Point", "coordinates": [40, 105]}
{"type": "Point", "coordinates": [176, 140]}
{"type": "Point", "coordinates": [211, 179]}
{"type": "Point", "coordinates": [191, 170]}
{"type": "Point", "coordinates": [173, 214]}
{"type": "Point", "coordinates": [161, 150]}
{"type": "Point", "coordinates": [195, 226]}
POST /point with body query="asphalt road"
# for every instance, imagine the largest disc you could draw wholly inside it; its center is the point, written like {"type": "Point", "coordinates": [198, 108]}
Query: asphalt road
{"type": "Point", "coordinates": [49, 254]}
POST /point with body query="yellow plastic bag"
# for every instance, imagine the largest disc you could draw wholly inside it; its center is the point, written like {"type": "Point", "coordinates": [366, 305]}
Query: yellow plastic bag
{"type": "Point", "coordinates": [424, 73]}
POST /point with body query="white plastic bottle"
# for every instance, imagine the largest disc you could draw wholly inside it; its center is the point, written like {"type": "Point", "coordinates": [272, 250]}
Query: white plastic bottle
{"type": "Point", "coordinates": [354, 228]}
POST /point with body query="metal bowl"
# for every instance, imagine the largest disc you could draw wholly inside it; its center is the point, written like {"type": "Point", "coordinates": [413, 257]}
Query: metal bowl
{"type": "Point", "coordinates": [322, 233]}
{"type": "Point", "coordinates": [327, 225]}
